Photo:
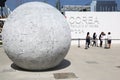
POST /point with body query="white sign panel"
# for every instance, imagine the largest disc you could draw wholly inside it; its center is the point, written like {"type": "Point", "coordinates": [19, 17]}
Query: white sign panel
{"type": "Point", "coordinates": [83, 22]}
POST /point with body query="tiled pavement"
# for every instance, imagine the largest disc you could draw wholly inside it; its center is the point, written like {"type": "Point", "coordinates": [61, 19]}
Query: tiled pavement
{"type": "Point", "coordinates": [94, 63]}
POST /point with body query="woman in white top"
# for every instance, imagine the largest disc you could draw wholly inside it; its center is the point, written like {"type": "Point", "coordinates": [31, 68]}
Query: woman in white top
{"type": "Point", "coordinates": [109, 39]}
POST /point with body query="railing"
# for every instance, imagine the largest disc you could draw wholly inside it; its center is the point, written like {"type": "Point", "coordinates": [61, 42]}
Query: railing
{"type": "Point", "coordinates": [79, 39]}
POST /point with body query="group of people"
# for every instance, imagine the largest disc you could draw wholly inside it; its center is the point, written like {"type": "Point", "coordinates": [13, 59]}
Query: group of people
{"type": "Point", "coordinates": [94, 40]}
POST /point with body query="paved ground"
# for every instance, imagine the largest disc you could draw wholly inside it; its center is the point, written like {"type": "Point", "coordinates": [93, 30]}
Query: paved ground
{"type": "Point", "coordinates": [94, 63]}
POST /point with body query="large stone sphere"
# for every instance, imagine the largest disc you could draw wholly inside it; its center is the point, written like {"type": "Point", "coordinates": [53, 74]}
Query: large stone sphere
{"type": "Point", "coordinates": [36, 36]}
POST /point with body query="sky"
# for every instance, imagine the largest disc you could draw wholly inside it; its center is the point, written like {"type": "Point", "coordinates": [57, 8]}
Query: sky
{"type": "Point", "coordinates": [12, 4]}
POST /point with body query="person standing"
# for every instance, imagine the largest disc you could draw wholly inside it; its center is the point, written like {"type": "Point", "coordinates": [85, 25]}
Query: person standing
{"type": "Point", "coordinates": [109, 39]}
{"type": "Point", "coordinates": [87, 40]}
{"type": "Point", "coordinates": [94, 39]}
{"type": "Point", "coordinates": [101, 38]}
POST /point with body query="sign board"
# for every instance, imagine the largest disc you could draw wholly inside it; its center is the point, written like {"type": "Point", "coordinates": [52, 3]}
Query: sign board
{"type": "Point", "coordinates": [82, 22]}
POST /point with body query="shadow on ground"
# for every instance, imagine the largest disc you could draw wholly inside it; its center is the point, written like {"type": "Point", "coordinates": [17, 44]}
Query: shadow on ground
{"type": "Point", "coordinates": [64, 64]}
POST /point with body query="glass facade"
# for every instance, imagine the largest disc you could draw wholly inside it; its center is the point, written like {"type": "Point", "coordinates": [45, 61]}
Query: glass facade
{"type": "Point", "coordinates": [104, 5]}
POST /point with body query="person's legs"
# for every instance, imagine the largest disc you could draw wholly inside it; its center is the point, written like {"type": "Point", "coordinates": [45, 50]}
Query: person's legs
{"type": "Point", "coordinates": [109, 43]}
{"type": "Point", "coordinates": [101, 43]}
{"type": "Point", "coordinates": [86, 45]}
{"type": "Point", "coordinates": [93, 43]}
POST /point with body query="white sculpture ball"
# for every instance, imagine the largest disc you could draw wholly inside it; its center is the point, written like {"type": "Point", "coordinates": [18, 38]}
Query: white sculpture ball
{"type": "Point", "coordinates": [36, 36]}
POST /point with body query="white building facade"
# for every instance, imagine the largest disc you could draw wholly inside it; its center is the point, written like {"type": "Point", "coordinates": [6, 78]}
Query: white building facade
{"type": "Point", "coordinates": [82, 22]}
